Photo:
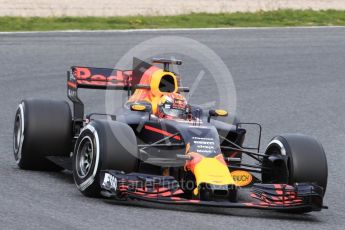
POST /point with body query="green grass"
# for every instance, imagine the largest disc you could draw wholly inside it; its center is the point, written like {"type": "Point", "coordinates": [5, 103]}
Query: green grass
{"type": "Point", "coordinates": [195, 20]}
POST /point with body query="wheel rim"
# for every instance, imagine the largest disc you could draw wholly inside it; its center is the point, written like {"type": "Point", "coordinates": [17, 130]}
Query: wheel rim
{"type": "Point", "coordinates": [84, 157]}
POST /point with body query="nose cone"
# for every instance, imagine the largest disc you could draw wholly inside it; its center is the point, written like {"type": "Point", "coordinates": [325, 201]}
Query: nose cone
{"type": "Point", "coordinates": [207, 170]}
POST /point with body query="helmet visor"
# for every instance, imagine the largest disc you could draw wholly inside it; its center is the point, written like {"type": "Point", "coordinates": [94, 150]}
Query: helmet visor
{"type": "Point", "coordinates": [173, 112]}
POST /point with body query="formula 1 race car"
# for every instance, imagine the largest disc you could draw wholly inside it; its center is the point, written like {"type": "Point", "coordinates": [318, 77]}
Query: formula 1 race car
{"type": "Point", "coordinates": [159, 148]}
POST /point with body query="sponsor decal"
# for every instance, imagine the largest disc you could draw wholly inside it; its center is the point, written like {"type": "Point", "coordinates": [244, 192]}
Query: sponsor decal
{"type": "Point", "coordinates": [109, 182]}
{"type": "Point", "coordinates": [204, 145]}
{"type": "Point", "coordinates": [199, 127]}
{"type": "Point", "coordinates": [241, 178]}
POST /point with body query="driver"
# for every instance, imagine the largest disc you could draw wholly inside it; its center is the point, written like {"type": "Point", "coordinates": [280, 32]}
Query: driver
{"type": "Point", "coordinates": [172, 105]}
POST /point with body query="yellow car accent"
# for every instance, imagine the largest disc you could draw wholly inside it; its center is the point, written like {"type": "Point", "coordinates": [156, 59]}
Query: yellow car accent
{"type": "Point", "coordinates": [242, 178]}
{"type": "Point", "coordinates": [137, 107]}
{"type": "Point", "coordinates": [212, 171]}
{"type": "Point", "coordinates": [221, 112]}
{"type": "Point", "coordinates": [156, 80]}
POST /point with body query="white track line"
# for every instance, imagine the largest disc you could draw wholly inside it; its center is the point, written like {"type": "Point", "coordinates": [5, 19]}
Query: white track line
{"type": "Point", "coordinates": [171, 29]}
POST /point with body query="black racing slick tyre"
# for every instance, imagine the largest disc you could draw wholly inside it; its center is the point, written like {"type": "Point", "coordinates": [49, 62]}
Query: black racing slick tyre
{"type": "Point", "coordinates": [103, 145]}
{"type": "Point", "coordinates": [305, 160]}
{"type": "Point", "coordinates": [41, 128]}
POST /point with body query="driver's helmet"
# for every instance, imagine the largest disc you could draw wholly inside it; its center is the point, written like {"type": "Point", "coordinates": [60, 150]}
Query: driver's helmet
{"type": "Point", "coordinates": [172, 105]}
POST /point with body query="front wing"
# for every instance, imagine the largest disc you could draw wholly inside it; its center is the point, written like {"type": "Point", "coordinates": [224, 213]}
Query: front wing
{"type": "Point", "coordinates": [301, 197]}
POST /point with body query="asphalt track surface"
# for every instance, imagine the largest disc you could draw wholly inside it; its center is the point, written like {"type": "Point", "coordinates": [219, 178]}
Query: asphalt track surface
{"type": "Point", "coordinates": [289, 80]}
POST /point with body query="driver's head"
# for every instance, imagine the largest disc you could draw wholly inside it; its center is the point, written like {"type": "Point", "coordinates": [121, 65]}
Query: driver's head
{"type": "Point", "coordinates": [172, 105]}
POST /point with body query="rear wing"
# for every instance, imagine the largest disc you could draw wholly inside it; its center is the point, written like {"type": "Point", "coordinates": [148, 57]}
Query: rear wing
{"type": "Point", "coordinates": [99, 78]}
{"type": "Point", "coordinates": [94, 78]}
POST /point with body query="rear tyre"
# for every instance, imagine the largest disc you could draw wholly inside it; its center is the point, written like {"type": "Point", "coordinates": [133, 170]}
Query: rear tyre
{"type": "Point", "coordinates": [41, 128]}
{"type": "Point", "coordinates": [103, 145]}
{"type": "Point", "coordinates": [305, 160]}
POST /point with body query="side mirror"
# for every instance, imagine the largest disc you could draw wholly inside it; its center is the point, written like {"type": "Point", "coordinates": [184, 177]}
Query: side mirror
{"type": "Point", "coordinates": [140, 107]}
{"type": "Point", "coordinates": [216, 113]}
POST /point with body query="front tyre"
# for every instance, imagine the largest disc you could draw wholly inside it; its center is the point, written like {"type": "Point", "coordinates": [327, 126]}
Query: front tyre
{"type": "Point", "coordinates": [103, 145]}
{"type": "Point", "coordinates": [305, 160]}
